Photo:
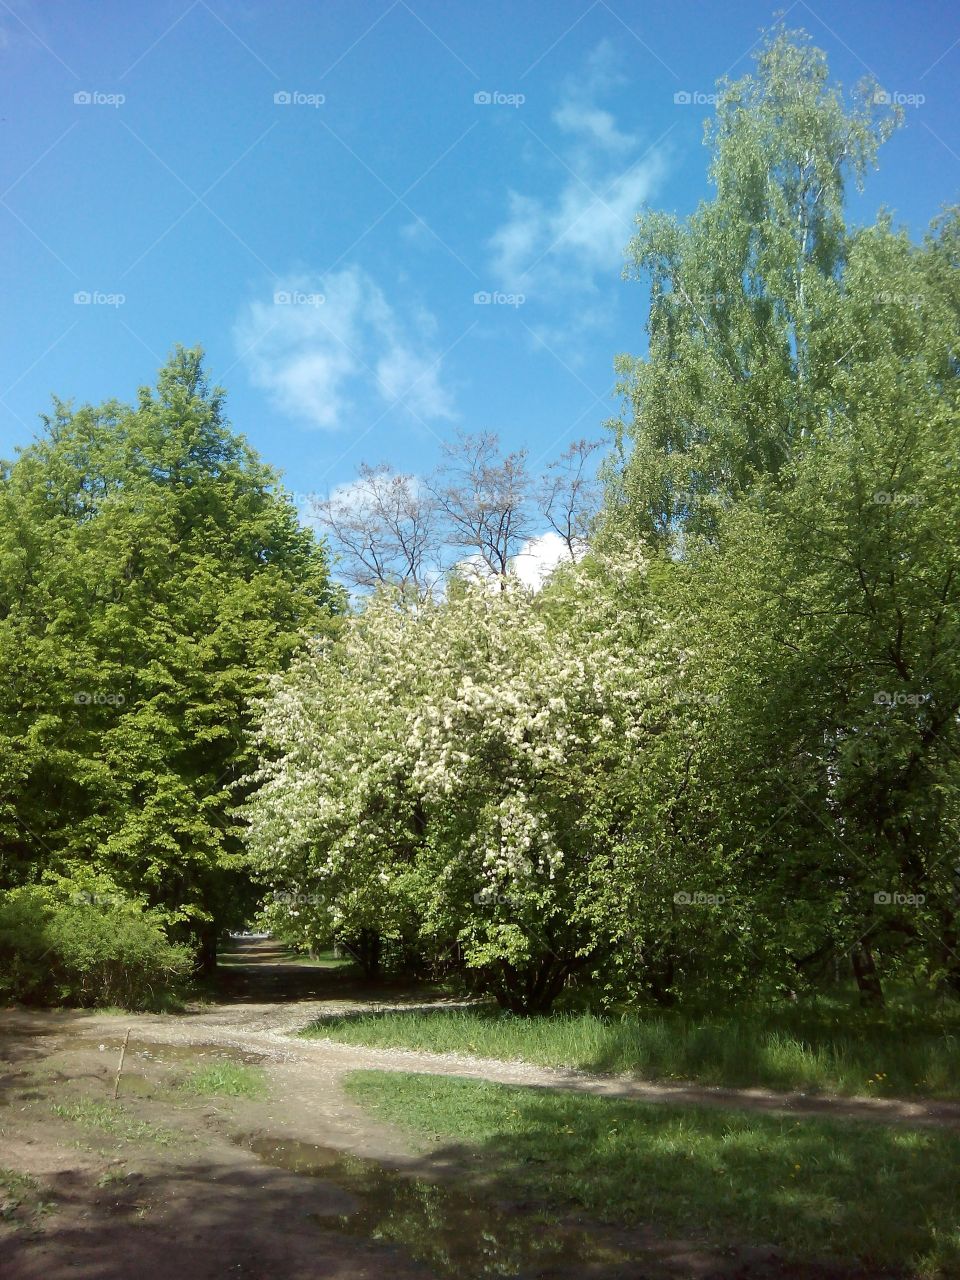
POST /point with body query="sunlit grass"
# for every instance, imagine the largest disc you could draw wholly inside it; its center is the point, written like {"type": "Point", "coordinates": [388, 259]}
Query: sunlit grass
{"type": "Point", "coordinates": [812, 1049]}
{"type": "Point", "coordinates": [112, 1118]}
{"type": "Point", "coordinates": [233, 1079]}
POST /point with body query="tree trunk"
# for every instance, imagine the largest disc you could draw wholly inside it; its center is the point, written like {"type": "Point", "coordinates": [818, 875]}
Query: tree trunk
{"type": "Point", "coordinates": [868, 979]}
{"type": "Point", "coordinates": [205, 942]}
{"type": "Point", "coordinates": [367, 949]}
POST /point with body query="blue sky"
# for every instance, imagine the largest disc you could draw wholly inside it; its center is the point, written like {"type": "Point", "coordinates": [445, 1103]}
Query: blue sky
{"type": "Point", "coordinates": [326, 251]}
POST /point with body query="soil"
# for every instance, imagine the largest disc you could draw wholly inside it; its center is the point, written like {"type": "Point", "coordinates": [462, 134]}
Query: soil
{"type": "Point", "coordinates": [300, 1183]}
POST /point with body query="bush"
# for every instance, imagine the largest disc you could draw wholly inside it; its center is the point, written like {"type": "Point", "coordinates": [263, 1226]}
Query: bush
{"type": "Point", "coordinates": [63, 942]}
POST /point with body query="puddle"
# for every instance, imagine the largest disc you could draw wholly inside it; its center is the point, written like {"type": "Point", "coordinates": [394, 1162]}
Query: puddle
{"type": "Point", "coordinates": [453, 1231]}
{"type": "Point", "coordinates": [159, 1052]}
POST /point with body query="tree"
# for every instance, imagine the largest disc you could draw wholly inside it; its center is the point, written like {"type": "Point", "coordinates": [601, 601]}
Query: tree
{"type": "Point", "coordinates": [792, 452]}
{"type": "Point", "coordinates": [473, 772]}
{"type": "Point", "coordinates": [836, 591]}
{"type": "Point", "coordinates": [745, 356]}
{"type": "Point", "coordinates": [152, 576]}
{"type": "Point", "coordinates": [384, 525]}
{"type": "Point", "coordinates": [569, 495]}
{"type": "Point", "coordinates": [484, 500]}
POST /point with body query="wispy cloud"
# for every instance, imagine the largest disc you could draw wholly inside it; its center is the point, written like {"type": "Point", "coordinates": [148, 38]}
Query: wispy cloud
{"type": "Point", "coordinates": [330, 349]}
{"type": "Point", "coordinates": [571, 237]}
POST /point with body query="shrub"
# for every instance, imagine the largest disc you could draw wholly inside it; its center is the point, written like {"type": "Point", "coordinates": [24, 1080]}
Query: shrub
{"type": "Point", "coordinates": [65, 942]}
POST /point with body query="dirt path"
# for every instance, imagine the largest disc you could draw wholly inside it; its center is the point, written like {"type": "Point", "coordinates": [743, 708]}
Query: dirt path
{"type": "Point", "coordinates": [185, 1188]}
{"type": "Point", "coordinates": [313, 1068]}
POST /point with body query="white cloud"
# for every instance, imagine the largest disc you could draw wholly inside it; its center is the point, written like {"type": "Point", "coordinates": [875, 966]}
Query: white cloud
{"type": "Point", "coordinates": [336, 348]}
{"type": "Point", "coordinates": [564, 241]}
{"type": "Point", "coordinates": [538, 558]}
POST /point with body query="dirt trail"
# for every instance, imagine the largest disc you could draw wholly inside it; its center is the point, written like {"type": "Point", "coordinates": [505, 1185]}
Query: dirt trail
{"type": "Point", "coordinates": [183, 1188]}
{"type": "Point", "coordinates": [269, 1001]}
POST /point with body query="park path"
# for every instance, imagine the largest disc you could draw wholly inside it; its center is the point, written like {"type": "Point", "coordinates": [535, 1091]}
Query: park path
{"type": "Point", "coordinates": [312, 1070]}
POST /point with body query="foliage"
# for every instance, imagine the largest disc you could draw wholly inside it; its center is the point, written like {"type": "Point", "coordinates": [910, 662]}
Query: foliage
{"type": "Point", "coordinates": [81, 941]}
{"type": "Point", "coordinates": [152, 574]}
{"type": "Point", "coordinates": [745, 352]}
{"type": "Point", "coordinates": [455, 771]}
{"type": "Point", "coordinates": [791, 450]}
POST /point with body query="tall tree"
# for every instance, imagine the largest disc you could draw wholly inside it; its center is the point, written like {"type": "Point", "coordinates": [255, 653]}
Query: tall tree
{"type": "Point", "coordinates": [152, 576]}
{"type": "Point", "coordinates": [484, 500]}
{"type": "Point", "coordinates": [745, 357]}
{"type": "Point", "coordinates": [569, 495]}
{"type": "Point", "coordinates": [791, 446]}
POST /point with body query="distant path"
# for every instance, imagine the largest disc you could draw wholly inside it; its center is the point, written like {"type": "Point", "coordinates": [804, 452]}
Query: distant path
{"type": "Point", "coordinates": [268, 1001]}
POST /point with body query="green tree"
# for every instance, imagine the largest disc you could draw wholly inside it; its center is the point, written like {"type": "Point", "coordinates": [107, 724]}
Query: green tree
{"type": "Point", "coordinates": [152, 575]}
{"type": "Point", "coordinates": [792, 449]}
{"type": "Point", "coordinates": [474, 773]}
{"type": "Point", "coordinates": [745, 356]}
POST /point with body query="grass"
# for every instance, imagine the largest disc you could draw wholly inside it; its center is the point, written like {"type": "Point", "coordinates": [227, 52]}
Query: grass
{"type": "Point", "coordinates": [113, 1118]}
{"type": "Point", "coordinates": [878, 1195]}
{"type": "Point", "coordinates": [829, 1048]}
{"type": "Point", "coordinates": [232, 1079]}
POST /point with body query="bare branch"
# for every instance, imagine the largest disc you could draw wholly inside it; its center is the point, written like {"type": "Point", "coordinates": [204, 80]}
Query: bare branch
{"type": "Point", "coordinates": [384, 527]}
{"type": "Point", "coordinates": [484, 498]}
{"type": "Point", "coordinates": [569, 495]}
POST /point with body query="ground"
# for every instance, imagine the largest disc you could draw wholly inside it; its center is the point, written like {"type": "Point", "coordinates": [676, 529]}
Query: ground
{"type": "Point", "coordinates": [299, 1182]}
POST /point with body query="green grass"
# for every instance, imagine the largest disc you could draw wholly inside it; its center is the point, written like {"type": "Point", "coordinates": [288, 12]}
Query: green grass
{"type": "Point", "coordinates": [113, 1118]}
{"type": "Point", "coordinates": [230, 1078]}
{"type": "Point", "coordinates": [814, 1048]}
{"type": "Point", "coordinates": [877, 1194]}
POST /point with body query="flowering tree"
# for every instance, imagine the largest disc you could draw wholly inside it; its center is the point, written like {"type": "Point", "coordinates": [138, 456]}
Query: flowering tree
{"type": "Point", "coordinates": [474, 772]}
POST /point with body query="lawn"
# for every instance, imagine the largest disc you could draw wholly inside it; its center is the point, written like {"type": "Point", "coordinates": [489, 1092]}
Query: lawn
{"type": "Point", "coordinates": [823, 1047]}
{"type": "Point", "coordinates": [877, 1195]}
